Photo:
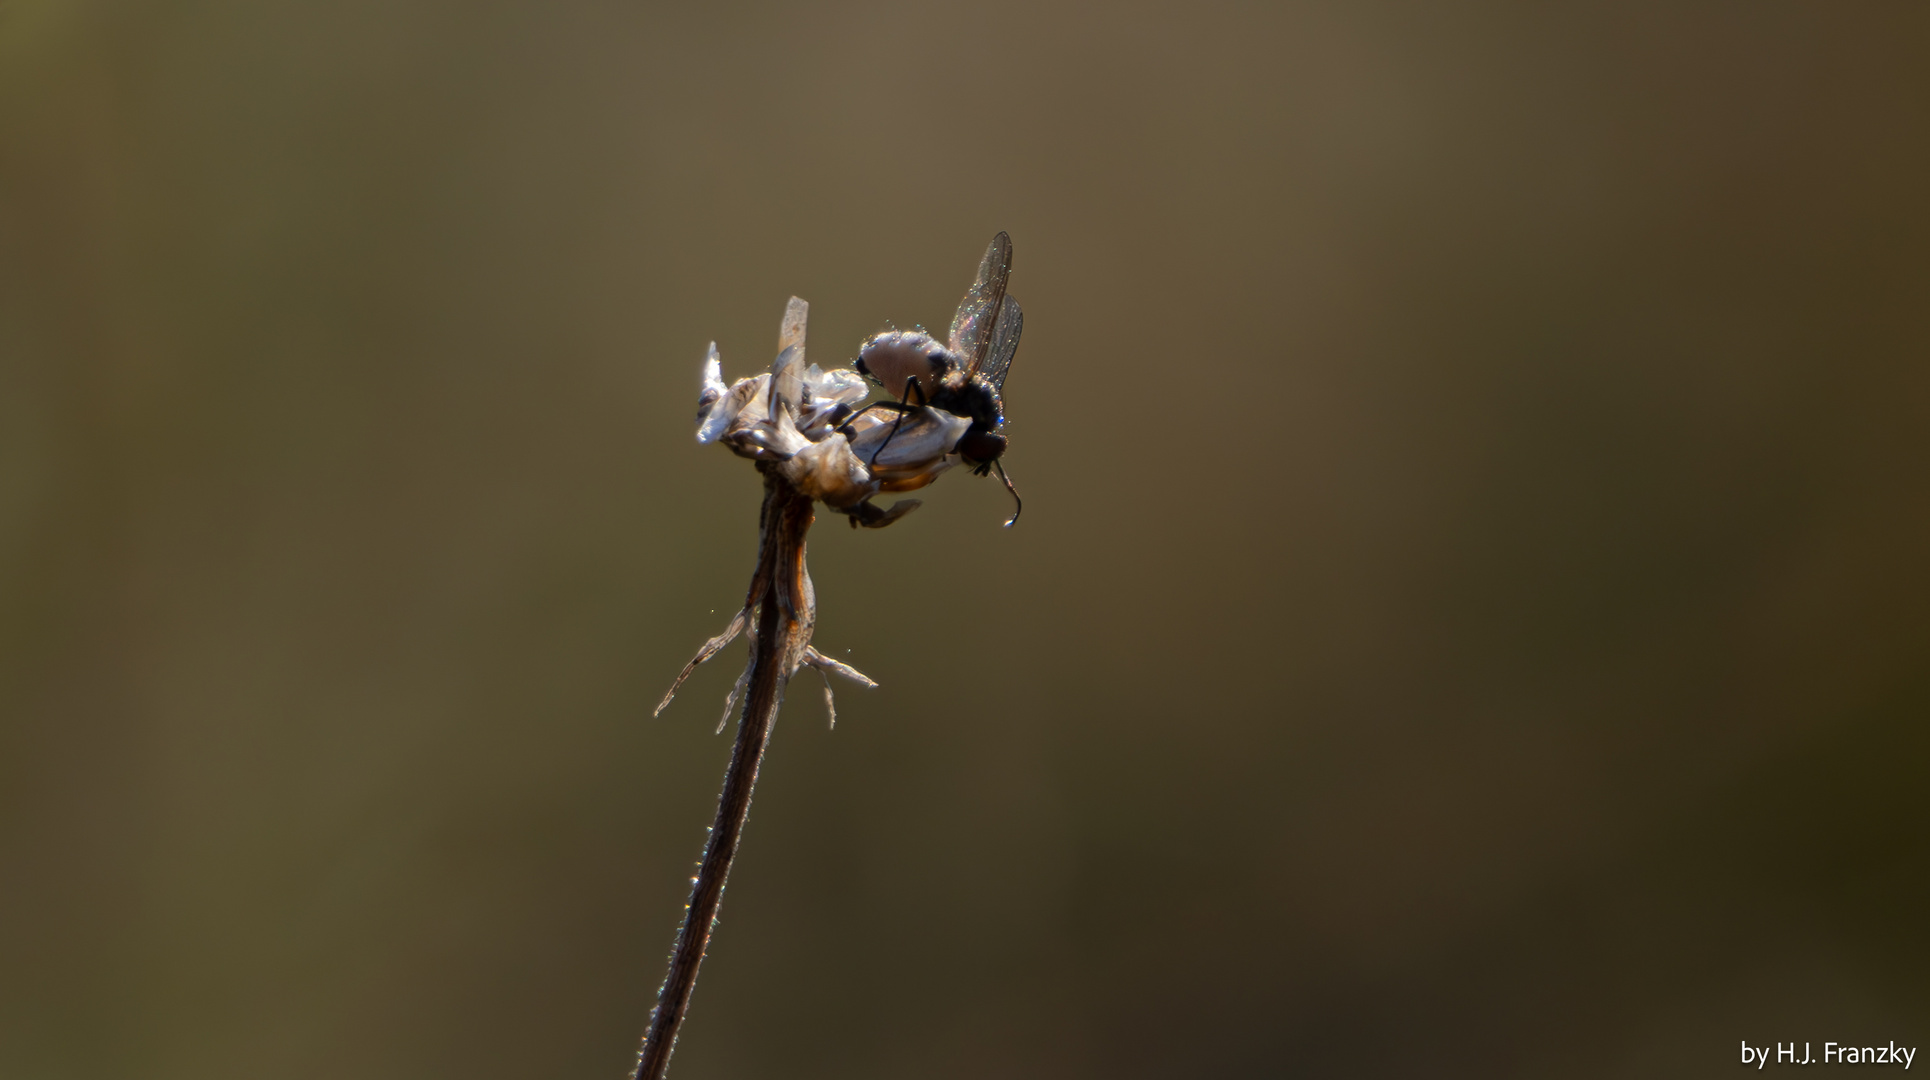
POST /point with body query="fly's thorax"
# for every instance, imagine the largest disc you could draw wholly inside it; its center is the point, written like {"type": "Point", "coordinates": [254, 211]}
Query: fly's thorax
{"type": "Point", "coordinates": [896, 357]}
{"type": "Point", "coordinates": [971, 397]}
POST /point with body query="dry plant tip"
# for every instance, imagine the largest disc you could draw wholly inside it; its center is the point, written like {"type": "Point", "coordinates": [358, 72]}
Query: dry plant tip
{"type": "Point", "coordinates": [815, 440]}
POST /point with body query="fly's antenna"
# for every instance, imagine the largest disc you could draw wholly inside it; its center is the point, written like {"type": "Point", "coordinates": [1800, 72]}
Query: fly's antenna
{"type": "Point", "coordinates": [1018, 504]}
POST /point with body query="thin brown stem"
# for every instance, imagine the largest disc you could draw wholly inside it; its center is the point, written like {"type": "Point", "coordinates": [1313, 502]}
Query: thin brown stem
{"type": "Point", "coordinates": [780, 596]}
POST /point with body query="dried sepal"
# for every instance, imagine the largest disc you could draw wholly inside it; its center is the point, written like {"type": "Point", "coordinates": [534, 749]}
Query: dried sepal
{"type": "Point", "coordinates": [710, 649]}
{"type": "Point", "coordinates": [826, 667]}
{"type": "Point", "coordinates": [730, 699]}
{"type": "Point", "coordinates": [822, 662]}
{"type": "Point", "coordinates": [830, 703]}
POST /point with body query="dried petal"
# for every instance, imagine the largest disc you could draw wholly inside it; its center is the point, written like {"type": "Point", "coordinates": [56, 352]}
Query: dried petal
{"type": "Point", "coordinates": [744, 400]}
{"type": "Point", "coordinates": [713, 387]}
{"type": "Point", "coordinates": [829, 472]}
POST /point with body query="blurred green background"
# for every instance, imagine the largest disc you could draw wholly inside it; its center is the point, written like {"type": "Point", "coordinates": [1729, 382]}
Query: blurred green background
{"type": "Point", "coordinates": [1470, 616]}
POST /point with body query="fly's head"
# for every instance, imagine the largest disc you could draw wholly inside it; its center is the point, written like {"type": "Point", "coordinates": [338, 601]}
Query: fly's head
{"type": "Point", "coordinates": [980, 448]}
{"type": "Point", "coordinates": [978, 401]}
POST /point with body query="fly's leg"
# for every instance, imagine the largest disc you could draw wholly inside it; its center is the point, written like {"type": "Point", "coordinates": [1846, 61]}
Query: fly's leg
{"type": "Point", "coordinates": [894, 406]}
{"type": "Point", "coordinates": [911, 387]}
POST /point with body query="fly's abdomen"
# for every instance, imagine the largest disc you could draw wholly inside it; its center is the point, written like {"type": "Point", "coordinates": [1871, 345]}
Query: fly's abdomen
{"type": "Point", "coordinates": [895, 357]}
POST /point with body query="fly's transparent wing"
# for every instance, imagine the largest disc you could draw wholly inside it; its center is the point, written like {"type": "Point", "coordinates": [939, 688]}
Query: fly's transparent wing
{"type": "Point", "coordinates": [787, 371]}
{"type": "Point", "coordinates": [1005, 342]}
{"type": "Point", "coordinates": [972, 326]}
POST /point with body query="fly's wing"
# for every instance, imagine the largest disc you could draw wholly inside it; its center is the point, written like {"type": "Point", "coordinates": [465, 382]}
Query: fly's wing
{"type": "Point", "coordinates": [923, 437]}
{"type": "Point", "coordinates": [787, 371]}
{"type": "Point", "coordinates": [1005, 342]}
{"type": "Point", "coordinates": [972, 326]}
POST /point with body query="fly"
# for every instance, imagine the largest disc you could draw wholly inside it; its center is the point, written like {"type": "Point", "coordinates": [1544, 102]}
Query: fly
{"type": "Point", "coordinates": [964, 377]}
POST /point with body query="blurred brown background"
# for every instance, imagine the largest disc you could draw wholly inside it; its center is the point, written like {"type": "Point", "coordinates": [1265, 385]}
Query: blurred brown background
{"type": "Point", "coordinates": [1470, 616]}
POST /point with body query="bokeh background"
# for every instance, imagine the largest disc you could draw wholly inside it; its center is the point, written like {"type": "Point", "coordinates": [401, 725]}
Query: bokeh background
{"type": "Point", "coordinates": [1470, 618]}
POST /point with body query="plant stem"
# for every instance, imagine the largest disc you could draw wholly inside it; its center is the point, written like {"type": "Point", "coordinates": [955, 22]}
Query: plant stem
{"type": "Point", "coordinates": [780, 596]}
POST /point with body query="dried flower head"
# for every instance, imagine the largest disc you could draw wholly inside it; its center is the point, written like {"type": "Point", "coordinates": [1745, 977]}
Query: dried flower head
{"type": "Point", "coordinates": [806, 422]}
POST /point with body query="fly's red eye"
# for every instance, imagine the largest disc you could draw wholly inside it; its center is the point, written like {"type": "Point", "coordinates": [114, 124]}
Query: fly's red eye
{"type": "Point", "coordinates": [979, 446]}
